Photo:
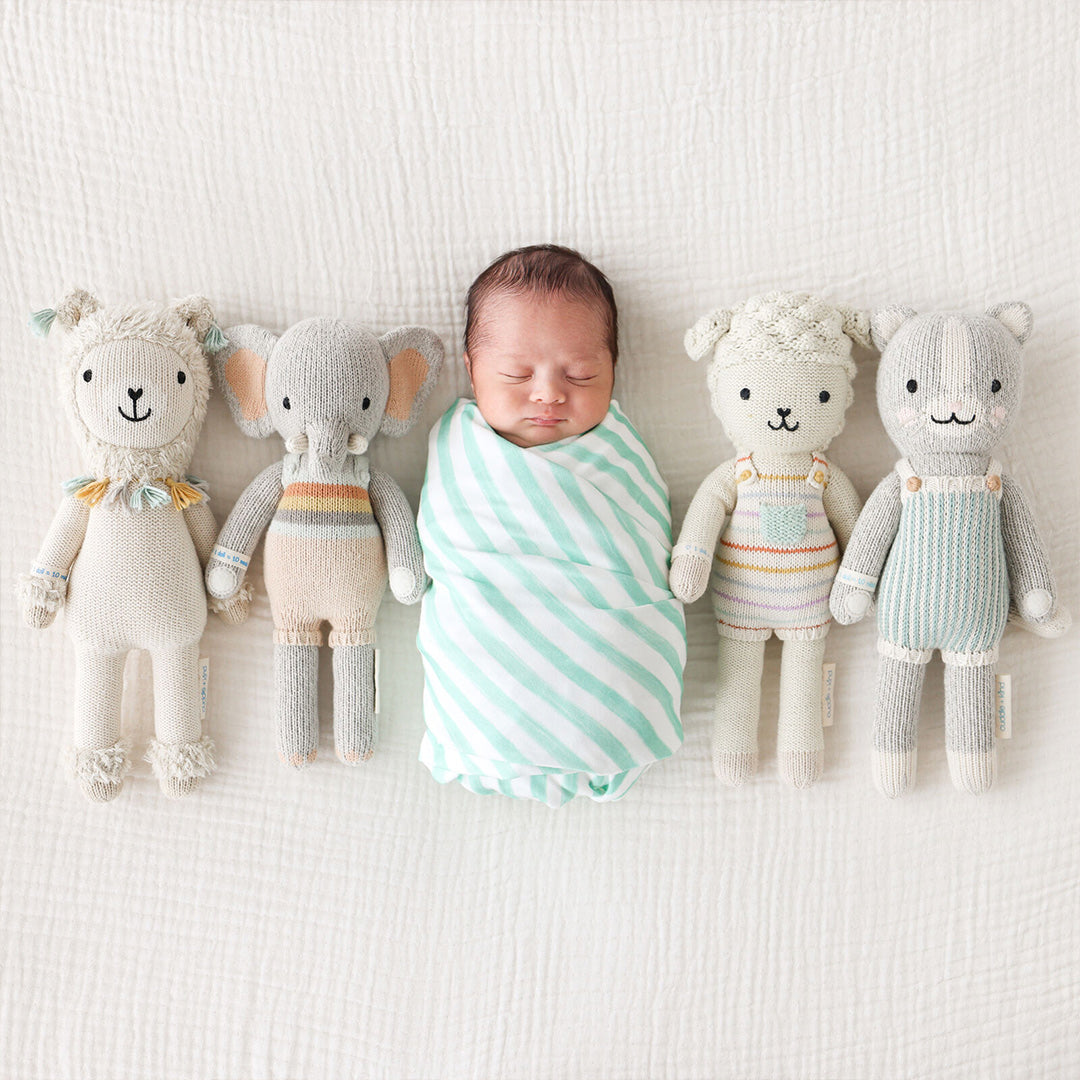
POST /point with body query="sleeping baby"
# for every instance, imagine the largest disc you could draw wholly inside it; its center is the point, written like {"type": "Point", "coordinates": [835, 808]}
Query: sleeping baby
{"type": "Point", "coordinates": [553, 649]}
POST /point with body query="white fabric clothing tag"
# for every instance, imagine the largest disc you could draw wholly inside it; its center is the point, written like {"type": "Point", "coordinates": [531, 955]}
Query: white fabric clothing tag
{"type": "Point", "coordinates": [204, 682]}
{"type": "Point", "coordinates": [1003, 707]}
{"type": "Point", "coordinates": [828, 689]}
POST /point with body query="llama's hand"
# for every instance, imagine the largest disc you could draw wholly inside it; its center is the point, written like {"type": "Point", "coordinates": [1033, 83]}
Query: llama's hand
{"type": "Point", "coordinates": [234, 610]}
{"type": "Point", "coordinates": [41, 597]}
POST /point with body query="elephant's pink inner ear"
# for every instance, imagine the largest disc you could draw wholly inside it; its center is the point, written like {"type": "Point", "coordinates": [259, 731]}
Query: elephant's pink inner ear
{"type": "Point", "coordinates": [408, 370]}
{"type": "Point", "coordinates": [245, 372]}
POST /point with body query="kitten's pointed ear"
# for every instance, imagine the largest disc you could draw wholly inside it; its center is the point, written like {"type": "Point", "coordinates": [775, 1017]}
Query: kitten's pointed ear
{"type": "Point", "coordinates": [1015, 316]}
{"type": "Point", "coordinates": [701, 338]}
{"type": "Point", "coordinates": [885, 323]}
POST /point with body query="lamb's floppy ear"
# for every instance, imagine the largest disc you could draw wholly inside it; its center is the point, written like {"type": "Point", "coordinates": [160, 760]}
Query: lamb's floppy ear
{"type": "Point", "coordinates": [701, 338]}
{"type": "Point", "coordinates": [414, 355]}
{"type": "Point", "coordinates": [885, 323]}
{"type": "Point", "coordinates": [240, 371]}
{"type": "Point", "coordinates": [856, 324]}
{"type": "Point", "coordinates": [1015, 316]}
{"type": "Point", "coordinates": [197, 313]}
{"type": "Point", "coordinates": [68, 312]}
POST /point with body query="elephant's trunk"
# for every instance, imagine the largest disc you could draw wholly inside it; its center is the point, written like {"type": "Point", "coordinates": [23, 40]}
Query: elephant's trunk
{"type": "Point", "coordinates": [328, 441]}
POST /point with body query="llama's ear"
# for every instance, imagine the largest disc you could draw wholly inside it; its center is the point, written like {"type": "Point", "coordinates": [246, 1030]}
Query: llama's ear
{"type": "Point", "coordinates": [240, 369]}
{"type": "Point", "coordinates": [885, 323]}
{"type": "Point", "coordinates": [701, 338]}
{"type": "Point", "coordinates": [75, 306]}
{"type": "Point", "coordinates": [1015, 316]}
{"type": "Point", "coordinates": [196, 312]}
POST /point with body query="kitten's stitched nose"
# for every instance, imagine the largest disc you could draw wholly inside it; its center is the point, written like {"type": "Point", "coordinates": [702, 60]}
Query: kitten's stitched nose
{"type": "Point", "coordinates": [783, 413]}
{"type": "Point", "coordinates": [134, 394]}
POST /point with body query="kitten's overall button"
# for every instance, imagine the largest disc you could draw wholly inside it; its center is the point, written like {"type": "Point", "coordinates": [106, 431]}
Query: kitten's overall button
{"type": "Point", "coordinates": [993, 482]}
{"type": "Point", "coordinates": [914, 483]}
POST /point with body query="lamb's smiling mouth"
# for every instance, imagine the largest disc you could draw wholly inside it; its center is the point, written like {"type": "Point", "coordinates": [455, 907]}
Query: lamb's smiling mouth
{"type": "Point", "coordinates": [136, 419]}
{"type": "Point", "coordinates": [783, 425]}
{"type": "Point", "coordinates": [953, 419]}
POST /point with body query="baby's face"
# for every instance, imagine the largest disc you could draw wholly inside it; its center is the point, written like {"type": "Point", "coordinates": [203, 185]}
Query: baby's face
{"type": "Point", "coordinates": [541, 369]}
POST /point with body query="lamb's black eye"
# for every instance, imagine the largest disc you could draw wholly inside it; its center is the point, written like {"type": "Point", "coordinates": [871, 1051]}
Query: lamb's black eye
{"type": "Point", "coordinates": [744, 393]}
{"type": "Point", "coordinates": [86, 375]}
{"type": "Point", "coordinates": [823, 396]}
{"type": "Point", "coordinates": [912, 386]}
{"type": "Point", "coordinates": [995, 386]}
{"type": "Point", "coordinates": [285, 402]}
{"type": "Point", "coordinates": [365, 403]}
{"type": "Point", "coordinates": [181, 378]}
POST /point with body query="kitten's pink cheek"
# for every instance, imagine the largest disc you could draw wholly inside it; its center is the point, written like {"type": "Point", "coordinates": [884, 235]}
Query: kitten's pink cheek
{"type": "Point", "coordinates": [999, 413]}
{"type": "Point", "coordinates": [907, 417]}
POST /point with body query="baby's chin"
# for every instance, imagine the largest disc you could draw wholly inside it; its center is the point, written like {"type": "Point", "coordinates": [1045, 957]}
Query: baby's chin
{"type": "Point", "coordinates": [527, 433]}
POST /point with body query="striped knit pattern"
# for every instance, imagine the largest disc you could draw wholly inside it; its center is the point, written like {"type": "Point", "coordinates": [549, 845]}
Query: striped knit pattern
{"type": "Point", "coordinates": [315, 509]}
{"type": "Point", "coordinates": [553, 649]}
{"type": "Point", "coordinates": [945, 584]}
{"type": "Point", "coordinates": [776, 559]}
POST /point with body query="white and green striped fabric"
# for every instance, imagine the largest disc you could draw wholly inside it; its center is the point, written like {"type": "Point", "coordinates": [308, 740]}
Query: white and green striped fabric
{"type": "Point", "coordinates": [553, 649]}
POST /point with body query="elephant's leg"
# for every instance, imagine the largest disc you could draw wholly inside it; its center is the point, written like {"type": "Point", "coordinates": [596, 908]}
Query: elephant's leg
{"type": "Point", "coordinates": [354, 703]}
{"type": "Point", "coordinates": [800, 745]}
{"type": "Point", "coordinates": [99, 758]}
{"type": "Point", "coordinates": [969, 726]}
{"type": "Point", "coordinates": [896, 723]}
{"type": "Point", "coordinates": [296, 679]}
{"type": "Point", "coordinates": [180, 754]}
{"type": "Point", "coordinates": [738, 706]}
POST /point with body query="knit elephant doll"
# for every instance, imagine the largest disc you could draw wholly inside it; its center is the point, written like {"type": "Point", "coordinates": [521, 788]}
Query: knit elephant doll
{"type": "Point", "coordinates": [946, 540]}
{"type": "Point", "coordinates": [125, 547]}
{"type": "Point", "coordinates": [780, 383]}
{"type": "Point", "coordinates": [338, 529]}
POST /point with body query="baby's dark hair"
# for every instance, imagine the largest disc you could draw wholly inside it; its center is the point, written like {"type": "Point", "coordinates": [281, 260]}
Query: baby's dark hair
{"type": "Point", "coordinates": [549, 270]}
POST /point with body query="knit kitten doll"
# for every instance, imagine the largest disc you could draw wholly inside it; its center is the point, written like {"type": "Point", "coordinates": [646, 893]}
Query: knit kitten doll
{"type": "Point", "coordinates": [780, 381]}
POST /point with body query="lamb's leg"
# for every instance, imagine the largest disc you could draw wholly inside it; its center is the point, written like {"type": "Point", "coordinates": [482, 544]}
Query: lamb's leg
{"type": "Point", "coordinates": [296, 679]}
{"type": "Point", "coordinates": [99, 758]}
{"type": "Point", "coordinates": [180, 754]}
{"type": "Point", "coordinates": [354, 702]}
{"type": "Point", "coordinates": [896, 724]}
{"type": "Point", "coordinates": [969, 726]}
{"type": "Point", "coordinates": [738, 706]}
{"type": "Point", "coordinates": [800, 745]}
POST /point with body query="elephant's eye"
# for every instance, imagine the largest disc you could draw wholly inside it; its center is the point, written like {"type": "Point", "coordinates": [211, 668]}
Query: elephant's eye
{"type": "Point", "coordinates": [995, 386]}
{"type": "Point", "coordinates": [181, 378]}
{"type": "Point", "coordinates": [744, 393]}
{"type": "Point", "coordinates": [285, 402]}
{"type": "Point", "coordinates": [823, 396]}
{"type": "Point", "coordinates": [912, 386]}
{"type": "Point", "coordinates": [365, 403]}
{"type": "Point", "coordinates": [86, 375]}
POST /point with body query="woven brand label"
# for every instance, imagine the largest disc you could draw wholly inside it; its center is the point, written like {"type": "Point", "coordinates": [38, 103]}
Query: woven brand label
{"type": "Point", "coordinates": [828, 687]}
{"type": "Point", "coordinates": [1003, 707]}
{"type": "Point", "coordinates": [204, 683]}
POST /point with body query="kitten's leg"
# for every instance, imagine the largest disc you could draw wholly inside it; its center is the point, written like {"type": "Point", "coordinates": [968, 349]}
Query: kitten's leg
{"type": "Point", "coordinates": [896, 724]}
{"type": "Point", "coordinates": [969, 726]}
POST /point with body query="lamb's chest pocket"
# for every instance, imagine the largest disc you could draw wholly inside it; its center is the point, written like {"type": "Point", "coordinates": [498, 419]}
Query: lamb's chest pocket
{"type": "Point", "coordinates": [783, 525]}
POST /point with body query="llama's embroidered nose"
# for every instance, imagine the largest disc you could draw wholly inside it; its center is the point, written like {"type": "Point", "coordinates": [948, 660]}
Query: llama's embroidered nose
{"type": "Point", "coordinates": [134, 394]}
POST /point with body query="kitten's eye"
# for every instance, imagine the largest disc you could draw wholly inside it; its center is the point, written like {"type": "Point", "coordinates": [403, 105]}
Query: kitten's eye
{"type": "Point", "coordinates": [995, 386]}
{"type": "Point", "coordinates": [285, 402]}
{"type": "Point", "coordinates": [365, 403]}
{"type": "Point", "coordinates": [912, 386]}
{"type": "Point", "coordinates": [744, 393]}
{"type": "Point", "coordinates": [181, 378]}
{"type": "Point", "coordinates": [86, 375]}
{"type": "Point", "coordinates": [823, 396]}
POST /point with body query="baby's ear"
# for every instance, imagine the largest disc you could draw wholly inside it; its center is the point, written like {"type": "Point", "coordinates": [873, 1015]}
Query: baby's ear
{"type": "Point", "coordinates": [856, 324]}
{"type": "Point", "coordinates": [1015, 316]}
{"type": "Point", "coordinates": [414, 356]}
{"type": "Point", "coordinates": [701, 338]}
{"type": "Point", "coordinates": [885, 323]}
{"type": "Point", "coordinates": [240, 370]}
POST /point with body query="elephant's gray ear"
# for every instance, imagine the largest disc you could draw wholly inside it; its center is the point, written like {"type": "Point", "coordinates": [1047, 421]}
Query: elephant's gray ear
{"type": "Point", "coordinates": [240, 372]}
{"type": "Point", "coordinates": [885, 323]}
{"type": "Point", "coordinates": [1016, 317]}
{"type": "Point", "coordinates": [414, 356]}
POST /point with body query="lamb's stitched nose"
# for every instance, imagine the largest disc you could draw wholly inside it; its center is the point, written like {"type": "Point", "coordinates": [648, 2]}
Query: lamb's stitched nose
{"type": "Point", "coordinates": [783, 412]}
{"type": "Point", "coordinates": [134, 394]}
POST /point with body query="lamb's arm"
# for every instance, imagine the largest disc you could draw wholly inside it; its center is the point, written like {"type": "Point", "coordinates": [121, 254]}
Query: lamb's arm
{"type": "Point", "coordinates": [866, 551]}
{"type": "Point", "coordinates": [241, 532]}
{"type": "Point", "coordinates": [691, 558]}
{"type": "Point", "coordinates": [43, 590]}
{"type": "Point", "coordinates": [842, 505]}
{"type": "Point", "coordinates": [404, 557]}
{"type": "Point", "coordinates": [1031, 581]}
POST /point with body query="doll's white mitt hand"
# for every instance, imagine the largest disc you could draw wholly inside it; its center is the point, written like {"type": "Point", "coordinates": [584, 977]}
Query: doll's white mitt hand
{"type": "Point", "coordinates": [688, 576]}
{"type": "Point", "coordinates": [40, 600]}
{"type": "Point", "coordinates": [234, 610]}
{"type": "Point", "coordinates": [222, 578]}
{"type": "Point", "coordinates": [849, 603]}
{"type": "Point", "coordinates": [406, 585]}
{"type": "Point", "coordinates": [1038, 614]}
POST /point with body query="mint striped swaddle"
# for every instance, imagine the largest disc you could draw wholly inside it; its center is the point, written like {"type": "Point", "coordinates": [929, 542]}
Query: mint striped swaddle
{"type": "Point", "coordinates": [553, 649]}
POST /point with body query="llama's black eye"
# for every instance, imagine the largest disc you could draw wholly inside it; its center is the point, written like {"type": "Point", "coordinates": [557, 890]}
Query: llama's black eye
{"type": "Point", "coordinates": [995, 386]}
{"type": "Point", "coordinates": [285, 402]}
{"type": "Point", "coordinates": [744, 393]}
{"type": "Point", "coordinates": [86, 375]}
{"type": "Point", "coordinates": [365, 403]}
{"type": "Point", "coordinates": [181, 378]}
{"type": "Point", "coordinates": [824, 396]}
{"type": "Point", "coordinates": [912, 386]}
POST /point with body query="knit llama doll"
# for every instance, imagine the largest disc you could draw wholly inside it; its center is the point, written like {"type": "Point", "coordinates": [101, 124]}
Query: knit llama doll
{"type": "Point", "coordinates": [338, 529]}
{"type": "Point", "coordinates": [124, 551]}
{"type": "Point", "coordinates": [946, 541]}
{"type": "Point", "coordinates": [780, 383]}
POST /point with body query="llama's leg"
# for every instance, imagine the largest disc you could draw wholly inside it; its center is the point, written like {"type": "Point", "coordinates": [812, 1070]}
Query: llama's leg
{"type": "Point", "coordinates": [896, 723]}
{"type": "Point", "coordinates": [738, 706]}
{"type": "Point", "coordinates": [296, 680]}
{"type": "Point", "coordinates": [969, 726]}
{"type": "Point", "coordinates": [181, 755]}
{"type": "Point", "coordinates": [99, 758]}
{"type": "Point", "coordinates": [800, 745]}
{"type": "Point", "coordinates": [354, 702]}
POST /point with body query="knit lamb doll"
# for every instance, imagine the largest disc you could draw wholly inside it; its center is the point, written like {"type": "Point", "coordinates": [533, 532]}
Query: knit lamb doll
{"type": "Point", "coordinates": [125, 547]}
{"type": "Point", "coordinates": [946, 540]}
{"type": "Point", "coordinates": [780, 383]}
